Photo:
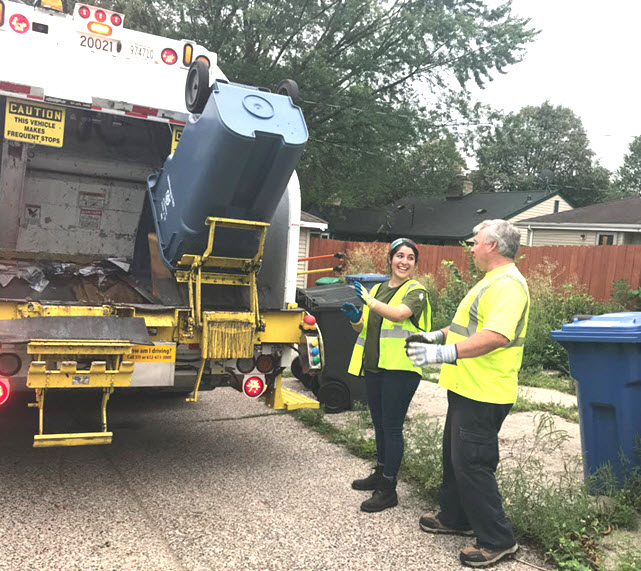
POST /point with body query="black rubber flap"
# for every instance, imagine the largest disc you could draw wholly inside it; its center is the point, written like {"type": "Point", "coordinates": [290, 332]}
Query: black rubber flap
{"type": "Point", "coordinates": [108, 328]}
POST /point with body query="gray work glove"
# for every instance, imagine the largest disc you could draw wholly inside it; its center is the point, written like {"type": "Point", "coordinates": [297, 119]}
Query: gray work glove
{"type": "Point", "coordinates": [426, 337]}
{"type": "Point", "coordinates": [422, 354]}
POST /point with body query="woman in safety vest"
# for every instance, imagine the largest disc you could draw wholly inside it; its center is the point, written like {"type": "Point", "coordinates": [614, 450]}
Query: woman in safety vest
{"type": "Point", "coordinates": [391, 311]}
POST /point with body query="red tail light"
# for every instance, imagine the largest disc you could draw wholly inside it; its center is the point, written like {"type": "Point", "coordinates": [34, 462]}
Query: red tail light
{"type": "Point", "coordinates": [19, 23]}
{"type": "Point", "coordinates": [84, 12]}
{"type": "Point", "coordinates": [116, 20]}
{"type": "Point", "coordinates": [169, 56]}
{"type": "Point", "coordinates": [100, 16]}
{"type": "Point", "coordinates": [265, 363]}
{"type": "Point", "coordinates": [253, 386]}
{"type": "Point", "coordinates": [5, 390]}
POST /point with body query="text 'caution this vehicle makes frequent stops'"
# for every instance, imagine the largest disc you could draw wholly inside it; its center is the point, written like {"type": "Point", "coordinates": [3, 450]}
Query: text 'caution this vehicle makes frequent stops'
{"type": "Point", "coordinates": [34, 123]}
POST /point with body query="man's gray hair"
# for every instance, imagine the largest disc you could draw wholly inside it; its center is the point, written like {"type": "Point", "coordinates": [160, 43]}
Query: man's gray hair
{"type": "Point", "coordinates": [504, 233]}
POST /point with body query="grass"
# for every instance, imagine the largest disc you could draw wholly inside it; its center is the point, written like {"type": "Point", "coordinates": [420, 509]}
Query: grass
{"type": "Point", "coordinates": [629, 561]}
{"type": "Point", "coordinates": [547, 380]}
{"type": "Point", "coordinates": [570, 413]}
{"type": "Point", "coordinates": [555, 514]}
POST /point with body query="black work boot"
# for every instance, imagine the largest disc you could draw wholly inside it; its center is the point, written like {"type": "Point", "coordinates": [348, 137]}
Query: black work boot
{"type": "Point", "coordinates": [371, 481]}
{"type": "Point", "coordinates": [384, 497]}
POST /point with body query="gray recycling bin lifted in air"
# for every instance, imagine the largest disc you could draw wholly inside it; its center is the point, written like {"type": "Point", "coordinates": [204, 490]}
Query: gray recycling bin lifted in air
{"type": "Point", "coordinates": [234, 161]}
{"type": "Point", "coordinates": [605, 360]}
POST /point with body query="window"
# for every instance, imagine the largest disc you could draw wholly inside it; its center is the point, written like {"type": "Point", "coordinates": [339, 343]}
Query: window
{"type": "Point", "coordinates": [556, 205]}
{"type": "Point", "coordinates": [605, 240]}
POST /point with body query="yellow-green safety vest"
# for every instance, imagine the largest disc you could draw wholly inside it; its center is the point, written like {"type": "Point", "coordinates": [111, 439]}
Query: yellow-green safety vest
{"type": "Point", "coordinates": [391, 353]}
{"type": "Point", "coordinates": [493, 377]}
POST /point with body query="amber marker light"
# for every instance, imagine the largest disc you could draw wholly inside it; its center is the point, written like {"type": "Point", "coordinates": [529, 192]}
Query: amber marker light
{"type": "Point", "coordinates": [100, 29]}
{"type": "Point", "coordinates": [265, 363]}
{"type": "Point", "coordinates": [188, 53]}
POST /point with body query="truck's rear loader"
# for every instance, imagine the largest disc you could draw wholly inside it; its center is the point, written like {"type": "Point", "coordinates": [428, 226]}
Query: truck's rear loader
{"type": "Point", "coordinates": [208, 300]}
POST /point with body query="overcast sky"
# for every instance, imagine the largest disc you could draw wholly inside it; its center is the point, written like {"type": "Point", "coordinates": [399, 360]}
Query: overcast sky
{"type": "Point", "coordinates": [587, 58]}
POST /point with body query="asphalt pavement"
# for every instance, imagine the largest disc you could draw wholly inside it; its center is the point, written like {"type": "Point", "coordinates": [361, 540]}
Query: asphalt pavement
{"type": "Point", "coordinates": [222, 484]}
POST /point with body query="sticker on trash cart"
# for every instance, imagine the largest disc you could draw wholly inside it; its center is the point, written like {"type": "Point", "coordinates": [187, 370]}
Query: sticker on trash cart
{"type": "Point", "coordinates": [37, 123]}
{"type": "Point", "coordinates": [157, 353]}
{"type": "Point", "coordinates": [80, 380]}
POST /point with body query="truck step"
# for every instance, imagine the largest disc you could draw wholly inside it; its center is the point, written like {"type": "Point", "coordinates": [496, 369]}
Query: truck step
{"type": "Point", "coordinates": [293, 400]}
{"type": "Point", "coordinates": [73, 439]}
{"type": "Point", "coordinates": [286, 399]}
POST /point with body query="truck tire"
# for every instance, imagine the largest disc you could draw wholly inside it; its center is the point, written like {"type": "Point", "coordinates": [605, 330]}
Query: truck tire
{"type": "Point", "coordinates": [335, 395]}
{"type": "Point", "coordinates": [289, 87]}
{"type": "Point", "coordinates": [197, 87]}
{"type": "Point", "coordinates": [297, 369]}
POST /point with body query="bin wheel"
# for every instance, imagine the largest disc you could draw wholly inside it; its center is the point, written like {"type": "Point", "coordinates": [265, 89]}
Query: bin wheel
{"type": "Point", "coordinates": [297, 369]}
{"type": "Point", "coordinates": [334, 395]}
{"type": "Point", "coordinates": [197, 87]}
{"type": "Point", "coordinates": [289, 87]}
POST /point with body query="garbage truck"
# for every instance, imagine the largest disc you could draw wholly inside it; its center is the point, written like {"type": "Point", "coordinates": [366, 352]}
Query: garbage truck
{"type": "Point", "coordinates": [149, 223]}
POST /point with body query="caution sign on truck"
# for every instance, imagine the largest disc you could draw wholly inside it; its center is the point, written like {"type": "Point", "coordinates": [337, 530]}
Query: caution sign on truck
{"type": "Point", "coordinates": [176, 133]}
{"type": "Point", "coordinates": [37, 123]}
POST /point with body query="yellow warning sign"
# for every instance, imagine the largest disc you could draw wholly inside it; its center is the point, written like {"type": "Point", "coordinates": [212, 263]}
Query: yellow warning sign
{"type": "Point", "coordinates": [176, 133]}
{"type": "Point", "coordinates": [156, 354]}
{"type": "Point", "coordinates": [37, 123]}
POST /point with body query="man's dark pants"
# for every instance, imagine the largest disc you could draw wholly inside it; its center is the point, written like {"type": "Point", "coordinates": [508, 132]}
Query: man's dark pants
{"type": "Point", "coordinates": [470, 497]}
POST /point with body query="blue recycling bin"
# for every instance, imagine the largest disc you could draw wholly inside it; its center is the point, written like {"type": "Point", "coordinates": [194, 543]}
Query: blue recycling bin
{"type": "Point", "coordinates": [368, 280]}
{"type": "Point", "coordinates": [605, 360]}
{"type": "Point", "coordinates": [234, 161]}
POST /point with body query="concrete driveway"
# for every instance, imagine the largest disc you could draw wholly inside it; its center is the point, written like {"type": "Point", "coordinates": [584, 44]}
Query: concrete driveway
{"type": "Point", "coordinates": [223, 484]}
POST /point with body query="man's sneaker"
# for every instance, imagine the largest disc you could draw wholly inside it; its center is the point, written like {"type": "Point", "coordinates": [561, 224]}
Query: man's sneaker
{"type": "Point", "coordinates": [371, 481]}
{"type": "Point", "coordinates": [475, 556]}
{"type": "Point", "coordinates": [431, 524]}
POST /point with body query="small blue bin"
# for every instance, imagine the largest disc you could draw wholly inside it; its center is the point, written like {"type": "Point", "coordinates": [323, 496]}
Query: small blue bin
{"type": "Point", "coordinates": [605, 359]}
{"type": "Point", "coordinates": [368, 280]}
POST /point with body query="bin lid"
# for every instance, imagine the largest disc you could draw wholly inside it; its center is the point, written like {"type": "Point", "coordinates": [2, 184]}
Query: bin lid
{"type": "Point", "coordinates": [366, 278]}
{"type": "Point", "coordinates": [326, 297]}
{"type": "Point", "coordinates": [326, 281]}
{"type": "Point", "coordinates": [622, 327]}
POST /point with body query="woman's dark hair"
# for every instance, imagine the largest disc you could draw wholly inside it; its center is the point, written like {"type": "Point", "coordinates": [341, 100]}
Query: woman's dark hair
{"type": "Point", "coordinates": [396, 244]}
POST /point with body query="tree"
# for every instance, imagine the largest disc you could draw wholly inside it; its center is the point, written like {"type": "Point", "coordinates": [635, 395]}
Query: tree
{"type": "Point", "coordinates": [359, 64]}
{"type": "Point", "coordinates": [628, 177]}
{"type": "Point", "coordinates": [542, 147]}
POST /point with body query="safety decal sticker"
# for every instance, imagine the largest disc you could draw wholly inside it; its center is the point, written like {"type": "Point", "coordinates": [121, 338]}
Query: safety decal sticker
{"type": "Point", "coordinates": [176, 133]}
{"type": "Point", "coordinates": [37, 123]}
{"type": "Point", "coordinates": [157, 353]}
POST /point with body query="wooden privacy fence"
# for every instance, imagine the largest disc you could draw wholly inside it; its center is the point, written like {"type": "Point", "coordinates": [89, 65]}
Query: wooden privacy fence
{"type": "Point", "coordinates": [595, 267]}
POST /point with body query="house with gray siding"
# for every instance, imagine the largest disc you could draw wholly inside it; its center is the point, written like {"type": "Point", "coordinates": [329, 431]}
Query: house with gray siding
{"type": "Point", "coordinates": [609, 223]}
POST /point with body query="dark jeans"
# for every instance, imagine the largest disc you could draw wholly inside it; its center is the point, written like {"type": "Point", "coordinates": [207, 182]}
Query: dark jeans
{"type": "Point", "coordinates": [470, 497]}
{"type": "Point", "coordinates": [388, 395]}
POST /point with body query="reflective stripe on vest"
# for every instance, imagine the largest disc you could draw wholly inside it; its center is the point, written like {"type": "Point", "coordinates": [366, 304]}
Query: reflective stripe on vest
{"type": "Point", "coordinates": [472, 326]}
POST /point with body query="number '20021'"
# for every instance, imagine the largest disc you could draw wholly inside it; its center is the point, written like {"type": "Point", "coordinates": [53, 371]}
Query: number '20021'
{"type": "Point", "coordinates": [97, 44]}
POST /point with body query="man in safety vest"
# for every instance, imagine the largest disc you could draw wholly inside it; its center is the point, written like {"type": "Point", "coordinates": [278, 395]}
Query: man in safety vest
{"type": "Point", "coordinates": [481, 352]}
